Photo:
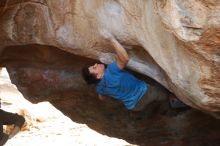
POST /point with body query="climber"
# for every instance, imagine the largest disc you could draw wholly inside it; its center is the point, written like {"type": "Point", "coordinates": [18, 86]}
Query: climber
{"type": "Point", "coordinates": [7, 118]}
{"type": "Point", "coordinates": [114, 81]}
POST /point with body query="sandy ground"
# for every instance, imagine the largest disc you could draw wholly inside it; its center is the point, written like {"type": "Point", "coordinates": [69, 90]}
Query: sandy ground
{"type": "Point", "coordinates": [46, 125]}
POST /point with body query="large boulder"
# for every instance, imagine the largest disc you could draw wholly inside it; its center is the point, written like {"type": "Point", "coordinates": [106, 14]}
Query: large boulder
{"type": "Point", "coordinates": [172, 41]}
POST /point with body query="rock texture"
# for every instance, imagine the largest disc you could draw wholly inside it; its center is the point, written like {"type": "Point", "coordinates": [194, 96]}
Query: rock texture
{"type": "Point", "coordinates": [172, 41]}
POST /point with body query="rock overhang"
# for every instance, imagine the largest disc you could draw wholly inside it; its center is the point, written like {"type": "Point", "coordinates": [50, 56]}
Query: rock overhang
{"type": "Point", "coordinates": [184, 48]}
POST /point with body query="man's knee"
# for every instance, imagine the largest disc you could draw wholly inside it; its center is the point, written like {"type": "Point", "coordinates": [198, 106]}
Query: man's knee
{"type": "Point", "coordinates": [21, 120]}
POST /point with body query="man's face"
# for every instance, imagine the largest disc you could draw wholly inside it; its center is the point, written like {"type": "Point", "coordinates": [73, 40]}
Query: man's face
{"type": "Point", "coordinates": [97, 70]}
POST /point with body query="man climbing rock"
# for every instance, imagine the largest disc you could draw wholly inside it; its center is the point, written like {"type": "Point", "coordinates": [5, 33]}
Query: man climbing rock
{"type": "Point", "coordinates": [114, 81]}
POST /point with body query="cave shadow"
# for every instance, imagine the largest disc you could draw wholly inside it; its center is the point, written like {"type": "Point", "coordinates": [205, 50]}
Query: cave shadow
{"type": "Point", "coordinates": [157, 124]}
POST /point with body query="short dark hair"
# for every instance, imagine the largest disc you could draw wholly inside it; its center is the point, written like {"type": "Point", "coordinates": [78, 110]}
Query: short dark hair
{"type": "Point", "coordinates": [88, 77]}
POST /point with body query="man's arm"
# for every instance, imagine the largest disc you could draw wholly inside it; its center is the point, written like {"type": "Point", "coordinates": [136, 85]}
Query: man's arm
{"type": "Point", "coordinates": [122, 55]}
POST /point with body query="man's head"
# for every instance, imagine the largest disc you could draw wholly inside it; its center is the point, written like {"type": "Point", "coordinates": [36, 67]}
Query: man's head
{"type": "Point", "coordinates": [94, 73]}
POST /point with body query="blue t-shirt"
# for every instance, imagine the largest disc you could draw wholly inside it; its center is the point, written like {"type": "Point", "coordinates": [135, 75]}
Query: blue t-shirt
{"type": "Point", "coordinates": [121, 85]}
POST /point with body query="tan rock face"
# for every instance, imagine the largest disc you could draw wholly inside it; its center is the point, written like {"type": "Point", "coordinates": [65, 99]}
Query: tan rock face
{"type": "Point", "coordinates": [172, 41]}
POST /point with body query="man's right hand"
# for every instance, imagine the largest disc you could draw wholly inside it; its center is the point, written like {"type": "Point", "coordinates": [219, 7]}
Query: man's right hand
{"type": "Point", "coordinates": [106, 35]}
{"type": "Point", "coordinates": [122, 55]}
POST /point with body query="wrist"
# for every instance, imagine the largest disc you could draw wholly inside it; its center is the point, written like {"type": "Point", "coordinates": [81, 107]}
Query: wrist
{"type": "Point", "coordinates": [112, 40]}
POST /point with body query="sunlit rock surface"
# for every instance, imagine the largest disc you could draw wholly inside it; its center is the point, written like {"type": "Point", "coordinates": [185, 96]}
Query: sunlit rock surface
{"type": "Point", "coordinates": [172, 41]}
